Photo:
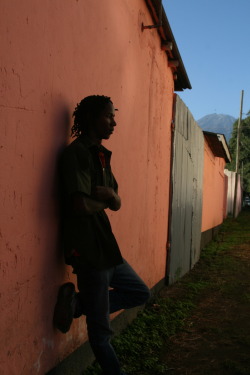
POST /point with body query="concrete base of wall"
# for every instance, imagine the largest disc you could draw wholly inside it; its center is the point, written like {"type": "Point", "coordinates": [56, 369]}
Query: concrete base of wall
{"type": "Point", "coordinates": [83, 357]}
{"type": "Point", "coordinates": [209, 235]}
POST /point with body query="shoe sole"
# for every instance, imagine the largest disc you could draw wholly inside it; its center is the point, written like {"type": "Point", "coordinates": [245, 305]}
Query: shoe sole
{"type": "Point", "coordinates": [64, 311]}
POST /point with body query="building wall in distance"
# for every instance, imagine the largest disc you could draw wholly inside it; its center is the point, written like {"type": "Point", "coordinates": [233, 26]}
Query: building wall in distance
{"type": "Point", "coordinates": [213, 190]}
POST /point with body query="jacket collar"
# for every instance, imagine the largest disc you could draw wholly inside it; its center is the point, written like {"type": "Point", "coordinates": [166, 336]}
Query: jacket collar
{"type": "Point", "coordinates": [84, 139]}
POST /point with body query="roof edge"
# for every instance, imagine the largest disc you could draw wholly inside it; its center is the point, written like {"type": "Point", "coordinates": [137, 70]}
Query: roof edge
{"type": "Point", "coordinates": [220, 143]}
{"type": "Point", "coordinates": [164, 30]}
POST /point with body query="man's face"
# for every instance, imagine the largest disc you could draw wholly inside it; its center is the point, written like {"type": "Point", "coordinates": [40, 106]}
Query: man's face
{"type": "Point", "coordinates": [104, 125]}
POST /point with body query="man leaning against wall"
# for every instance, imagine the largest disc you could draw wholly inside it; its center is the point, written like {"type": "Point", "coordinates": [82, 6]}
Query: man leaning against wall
{"type": "Point", "coordinates": [106, 283]}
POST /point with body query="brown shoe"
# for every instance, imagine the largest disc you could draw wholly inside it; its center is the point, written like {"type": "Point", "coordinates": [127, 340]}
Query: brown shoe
{"type": "Point", "coordinates": [65, 307]}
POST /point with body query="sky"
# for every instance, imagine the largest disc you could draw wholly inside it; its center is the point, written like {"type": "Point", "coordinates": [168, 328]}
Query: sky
{"type": "Point", "coordinates": [213, 38]}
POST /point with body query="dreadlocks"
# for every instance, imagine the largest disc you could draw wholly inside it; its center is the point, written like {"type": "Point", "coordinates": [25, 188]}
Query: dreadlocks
{"type": "Point", "coordinates": [92, 105]}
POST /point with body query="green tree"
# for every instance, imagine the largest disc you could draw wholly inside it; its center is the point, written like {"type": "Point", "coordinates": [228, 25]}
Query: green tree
{"type": "Point", "coordinates": [244, 154]}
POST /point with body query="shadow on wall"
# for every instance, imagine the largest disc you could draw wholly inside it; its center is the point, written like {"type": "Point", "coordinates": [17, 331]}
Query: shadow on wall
{"type": "Point", "coordinates": [52, 268]}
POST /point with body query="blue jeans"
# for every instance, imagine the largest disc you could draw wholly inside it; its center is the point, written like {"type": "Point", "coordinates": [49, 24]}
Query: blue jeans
{"type": "Point", "coordinates": [101, 293]}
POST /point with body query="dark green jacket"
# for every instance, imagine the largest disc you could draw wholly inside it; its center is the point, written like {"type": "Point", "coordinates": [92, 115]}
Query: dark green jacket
{"type": "Point", "coordinates": [89, 237]}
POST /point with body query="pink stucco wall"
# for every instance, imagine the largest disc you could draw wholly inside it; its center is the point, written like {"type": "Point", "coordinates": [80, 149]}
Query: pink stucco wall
{"type": "Point", "coordinates": [213, 210]}
{"type": "Point", "coordinates": [53, 54]}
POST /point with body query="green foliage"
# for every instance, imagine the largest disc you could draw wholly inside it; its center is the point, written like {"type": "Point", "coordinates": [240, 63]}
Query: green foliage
{"type": "Point", "coordinates": [197, 286]}
{"type": "Point", "coordinates": [244, 157]}
{"type": "Point", "coordinates": [139, 346]}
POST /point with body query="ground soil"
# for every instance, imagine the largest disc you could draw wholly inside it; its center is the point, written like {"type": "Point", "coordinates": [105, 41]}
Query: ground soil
{"type": "Point", "coordinates": [216, 336]}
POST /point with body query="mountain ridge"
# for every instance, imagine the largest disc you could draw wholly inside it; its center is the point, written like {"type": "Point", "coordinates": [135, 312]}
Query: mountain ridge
{"type": "Point", "coordinates": [218, 123]}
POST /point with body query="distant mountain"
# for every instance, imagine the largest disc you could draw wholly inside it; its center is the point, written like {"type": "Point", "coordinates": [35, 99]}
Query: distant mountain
{"type": "Point", "coordinates": [214, 123]}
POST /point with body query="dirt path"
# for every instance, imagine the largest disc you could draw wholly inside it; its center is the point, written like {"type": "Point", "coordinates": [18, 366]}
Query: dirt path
{"type": "Point", "coordinates": [216, 337]}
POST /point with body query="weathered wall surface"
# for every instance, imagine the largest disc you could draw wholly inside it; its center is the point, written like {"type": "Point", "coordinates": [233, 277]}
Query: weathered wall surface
{"type": "Point", "coordinates": [53, 54]}
{"type": "Point", "coordinates": [187, 173]}
{"type": "Point", "coordinates": [213, 190]}
{"type": "Point", "coordinates": [231, 193]}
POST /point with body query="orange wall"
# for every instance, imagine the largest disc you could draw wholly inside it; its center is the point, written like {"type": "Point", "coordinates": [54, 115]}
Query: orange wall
{"type": "Point", "coordinates": [214, 181]}
{"type": "Point", "coordinates": [53, 54]}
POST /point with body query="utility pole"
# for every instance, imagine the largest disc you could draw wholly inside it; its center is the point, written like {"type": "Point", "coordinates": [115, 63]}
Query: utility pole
{"type": "Point", "coordinates": [237, 157]}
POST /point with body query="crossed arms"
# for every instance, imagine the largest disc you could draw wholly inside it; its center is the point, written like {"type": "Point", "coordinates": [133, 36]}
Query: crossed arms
{"type": "Point", "coordinates": [102, 197]}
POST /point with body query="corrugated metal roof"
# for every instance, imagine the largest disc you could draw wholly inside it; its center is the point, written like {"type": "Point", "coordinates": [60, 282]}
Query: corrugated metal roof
{"type": "Point", "coordinates": [182, 82]}
{"type": "Point", "coordinates": [218, 145]}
